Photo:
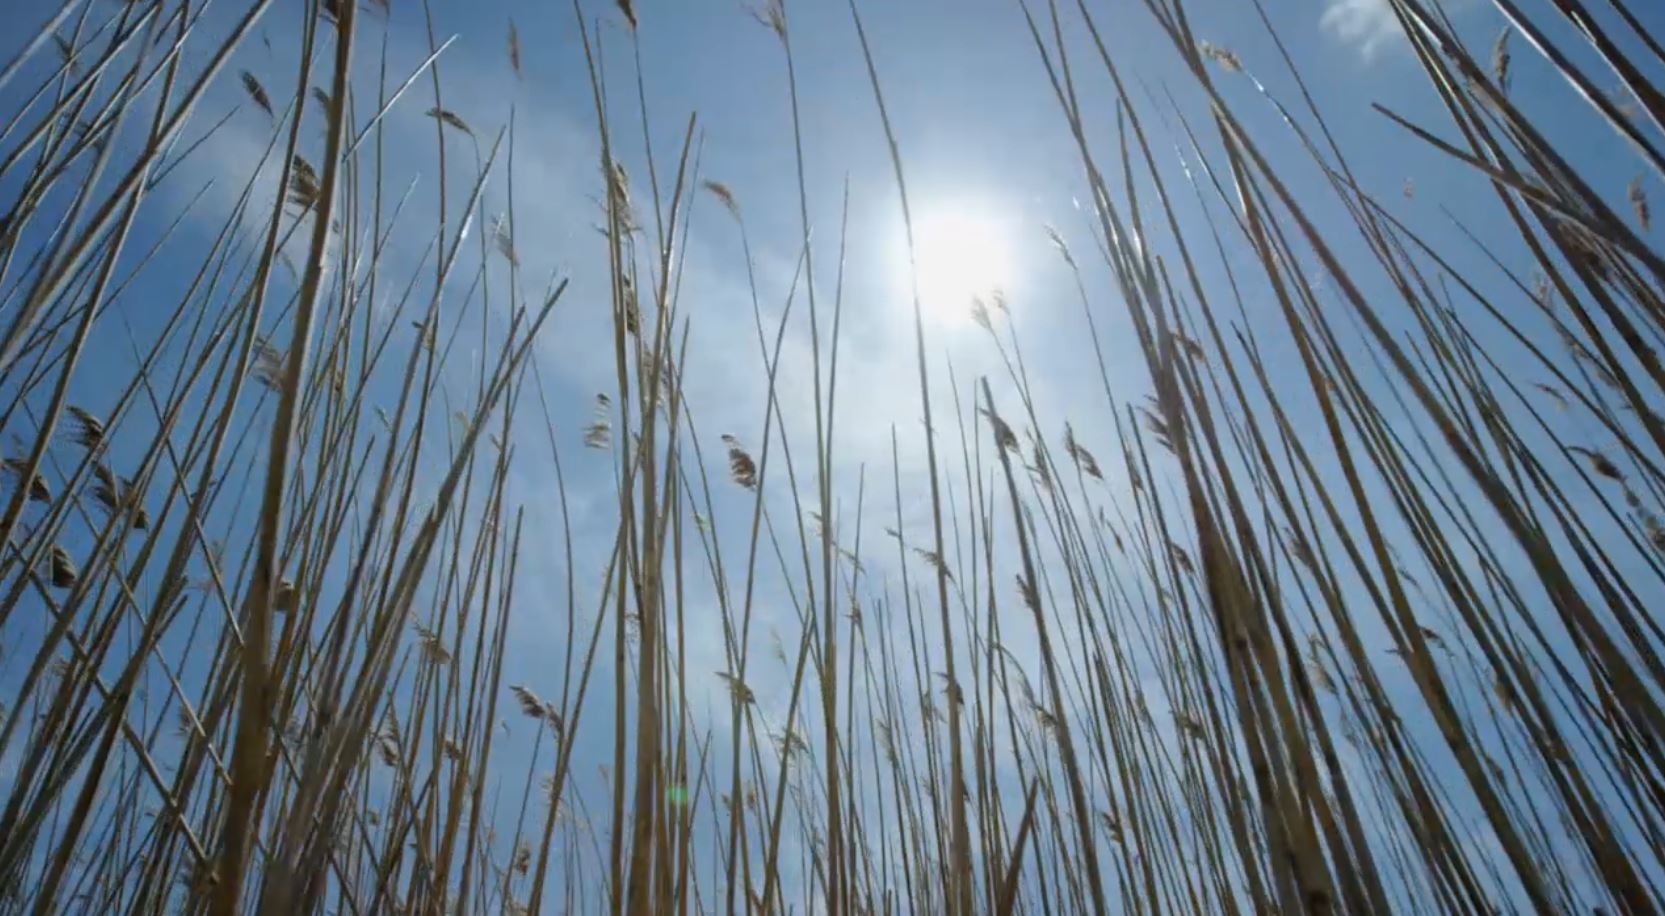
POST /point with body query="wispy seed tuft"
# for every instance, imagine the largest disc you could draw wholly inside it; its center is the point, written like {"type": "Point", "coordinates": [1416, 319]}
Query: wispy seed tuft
{"type": "Point", "coordinates": [257, 93]}
{"type": "Point", "coordinates": [1501, 58]}
{"type": "Point", "coordinates": [450, 119]}
{"type": "Point", "coordinates": [1639, 203]}
{"type": "Point", "coordinates": [740, 465]}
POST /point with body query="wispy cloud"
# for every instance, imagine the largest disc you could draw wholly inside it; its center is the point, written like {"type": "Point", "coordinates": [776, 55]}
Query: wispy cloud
{"type": "Point", "coordinates": [1368, 24]}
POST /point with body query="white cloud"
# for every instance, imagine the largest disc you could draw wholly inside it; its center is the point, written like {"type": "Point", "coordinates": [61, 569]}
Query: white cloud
{"type": "Point", "coordinates": [1369, 24]}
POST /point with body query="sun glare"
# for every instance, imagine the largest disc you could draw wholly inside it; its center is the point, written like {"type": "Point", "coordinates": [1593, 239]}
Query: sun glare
{"type": "Point", "coordinates": [959, 254]}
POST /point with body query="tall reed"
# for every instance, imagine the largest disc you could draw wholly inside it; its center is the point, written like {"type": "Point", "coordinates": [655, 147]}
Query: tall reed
{"type": "Point", "coordinates": [1336, 590]}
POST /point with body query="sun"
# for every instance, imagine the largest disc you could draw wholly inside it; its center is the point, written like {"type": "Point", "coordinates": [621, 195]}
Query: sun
{"type": "Point", "coordinates": [960, 254]}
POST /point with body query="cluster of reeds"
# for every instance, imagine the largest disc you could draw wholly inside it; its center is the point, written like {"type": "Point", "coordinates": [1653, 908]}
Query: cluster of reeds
{"type": "Point", "coordinates": [1368, 625]}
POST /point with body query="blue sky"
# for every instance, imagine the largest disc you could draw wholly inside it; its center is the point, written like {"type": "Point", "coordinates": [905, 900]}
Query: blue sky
{"type": "Point", "coordinates": [979, 135]}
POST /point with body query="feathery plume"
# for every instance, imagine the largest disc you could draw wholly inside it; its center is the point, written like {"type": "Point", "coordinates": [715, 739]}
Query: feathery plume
{"type": "Point", "coordinates": [89, 430]}
{"type": "Point", "coordinates": [257, 93]}
{"type": "Point", "coordinates": [62, 569]}
{"type": "Point", "coordinates": [450, 119]}
{"type": "Point", "coordinates": [1501, 59]}
{"type": "Point", "coordinates": [737, 688]}
{"type": "Point", "coordinates": [724, 196]}
{"type": "Point", "coordinates": [740, 464]}
{"type": "Point", "coordinates": [1003, 435]}
{"type": "Point", "coordinates": [1222, 56]}
{"type": "Point", "coordinates": [38, 490]}
{"type": "Point", "coordinates": [1600, 463]}
{"type": "Point", "coordinates": [267, 368]}
{"type": "Point", "coordinates": [1639, 203]}
{"type": "Point", "coordinates": [599, 433]}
